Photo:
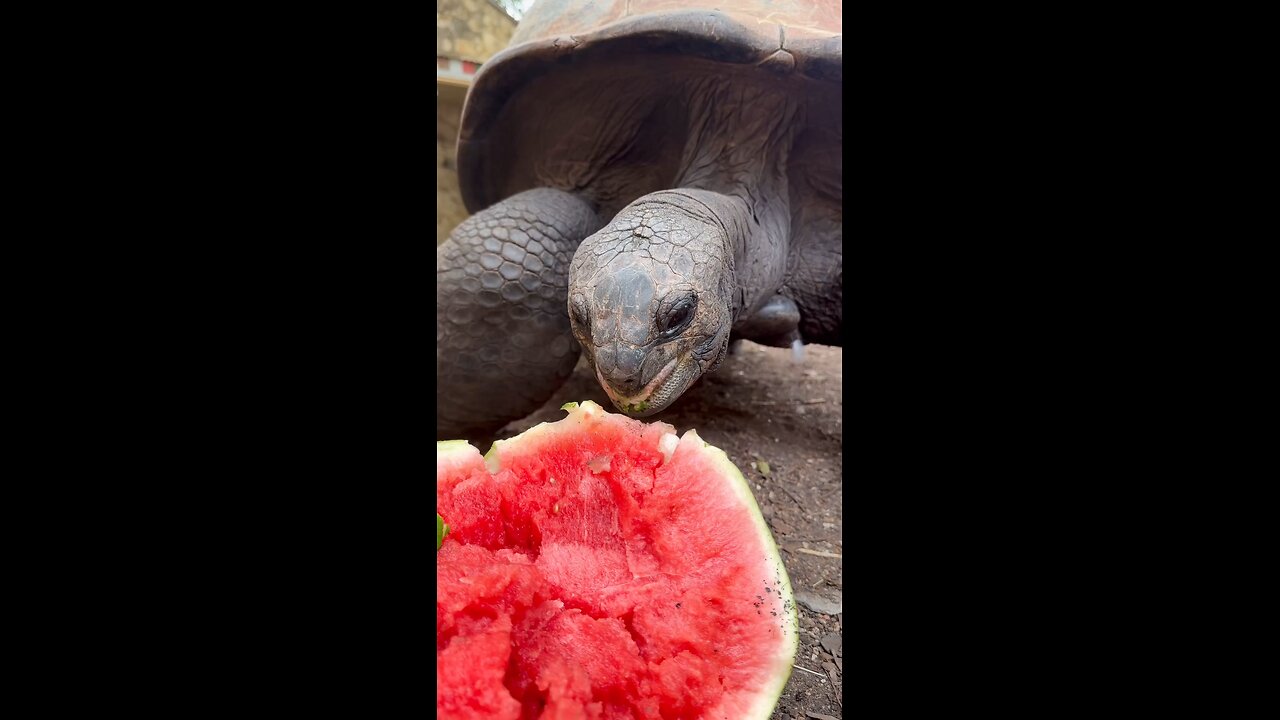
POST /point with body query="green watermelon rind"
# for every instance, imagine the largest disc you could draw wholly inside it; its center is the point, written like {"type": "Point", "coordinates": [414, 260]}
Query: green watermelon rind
{"type": "Point", "coordinates": [460, 451]}
{"type": "Point", "coordinates": [768, 697]}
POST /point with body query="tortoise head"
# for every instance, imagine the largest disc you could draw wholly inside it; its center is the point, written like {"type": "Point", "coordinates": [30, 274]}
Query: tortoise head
{"type": "Point", "coordinates": [651, 299]}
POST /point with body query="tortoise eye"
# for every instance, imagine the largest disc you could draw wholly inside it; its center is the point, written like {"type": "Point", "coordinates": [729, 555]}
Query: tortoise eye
{"type": "Point", "coordinates": [679, 317]}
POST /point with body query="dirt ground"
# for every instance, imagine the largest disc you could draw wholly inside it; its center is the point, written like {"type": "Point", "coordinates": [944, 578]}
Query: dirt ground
{"type": "Point", "coordinates": [762, 407]}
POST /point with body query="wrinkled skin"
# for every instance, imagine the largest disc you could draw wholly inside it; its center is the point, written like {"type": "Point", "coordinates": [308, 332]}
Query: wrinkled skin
{"type": "Point", "coordinates": [656, 294]}
{"type": "Point", "coordinates": [652, 298]}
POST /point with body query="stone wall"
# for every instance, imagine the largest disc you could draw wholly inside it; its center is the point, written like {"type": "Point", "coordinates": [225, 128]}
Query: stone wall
{"type": "Point", "coordinates": [449, 208]}
{"type": "Point", "coordinates": [471, 30]}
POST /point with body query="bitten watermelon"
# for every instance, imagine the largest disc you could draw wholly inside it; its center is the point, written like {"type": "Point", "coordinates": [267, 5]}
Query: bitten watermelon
{"type": "Point", "coordinates": [601, 567]}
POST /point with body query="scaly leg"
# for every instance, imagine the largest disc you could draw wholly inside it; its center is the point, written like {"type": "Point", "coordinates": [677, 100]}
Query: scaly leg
{"type": "Point", "coordinates": [503, 343]}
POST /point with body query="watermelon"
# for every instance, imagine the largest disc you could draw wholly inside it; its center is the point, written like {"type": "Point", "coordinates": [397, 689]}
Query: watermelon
{"type": "Point", "coordinates": [602, 567]}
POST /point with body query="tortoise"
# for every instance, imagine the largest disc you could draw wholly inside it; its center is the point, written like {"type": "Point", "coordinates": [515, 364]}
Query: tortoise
{"type": "Point", "coordinates": [649, 181]}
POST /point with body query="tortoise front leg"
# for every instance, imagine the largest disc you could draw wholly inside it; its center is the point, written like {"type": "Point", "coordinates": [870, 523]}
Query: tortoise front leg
{"type": "Point", "coordinates": [775, 324]}
{"type": "Point", "coordinates": [815, 273]}
{"type": "Point", "coordinates": [503, 343]}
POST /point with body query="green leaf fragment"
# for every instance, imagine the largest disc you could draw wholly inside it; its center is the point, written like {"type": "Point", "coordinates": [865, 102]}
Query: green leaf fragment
{"type": "Point", "coordinates": [441, 530]}
{"type": "Point", "coordinates": [761, 466]}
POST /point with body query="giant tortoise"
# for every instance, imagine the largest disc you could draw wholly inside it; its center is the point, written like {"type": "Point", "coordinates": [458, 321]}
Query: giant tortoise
{"type": "Point", "coordinates": [650, 180]}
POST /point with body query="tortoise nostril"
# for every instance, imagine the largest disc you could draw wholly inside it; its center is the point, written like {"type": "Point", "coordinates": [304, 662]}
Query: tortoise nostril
{"type": "Point", "coordinates": [628, 385]}
{"type": "Point", "coordinates": [622, 369]}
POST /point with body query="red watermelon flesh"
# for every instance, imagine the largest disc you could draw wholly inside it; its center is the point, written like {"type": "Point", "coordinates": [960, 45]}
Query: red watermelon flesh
{"type": "Point", "coordinates": [598, 567]}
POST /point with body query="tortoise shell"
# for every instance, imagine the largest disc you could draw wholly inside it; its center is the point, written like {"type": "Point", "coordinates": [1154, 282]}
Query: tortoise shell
{"type": "Point", "coordinates": [593, 96]}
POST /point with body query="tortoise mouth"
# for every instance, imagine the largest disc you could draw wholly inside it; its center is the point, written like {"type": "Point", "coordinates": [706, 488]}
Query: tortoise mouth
{"type": "Point", "coordinates": [654, 396]}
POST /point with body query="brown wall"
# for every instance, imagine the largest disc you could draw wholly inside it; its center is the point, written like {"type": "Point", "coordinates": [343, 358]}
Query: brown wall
{"type": "Point", "coordinates": [449, 208]}
{"type": "Point", "coordinates": [471, 30]}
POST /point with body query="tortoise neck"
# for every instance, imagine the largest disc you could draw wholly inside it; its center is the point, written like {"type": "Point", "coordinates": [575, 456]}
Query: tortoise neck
{"type": "Point", "coordinates": [739, 139]}
{"type": "Point", "coordinates": [752, 261]}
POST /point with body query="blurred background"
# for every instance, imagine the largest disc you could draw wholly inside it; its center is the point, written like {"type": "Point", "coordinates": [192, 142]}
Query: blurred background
{"type": "Point", "coordinates": [468, 33]}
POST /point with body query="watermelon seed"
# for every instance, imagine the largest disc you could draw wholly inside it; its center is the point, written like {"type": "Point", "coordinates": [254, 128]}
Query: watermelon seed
{"type": "Point", "coordinates": [677, 606]}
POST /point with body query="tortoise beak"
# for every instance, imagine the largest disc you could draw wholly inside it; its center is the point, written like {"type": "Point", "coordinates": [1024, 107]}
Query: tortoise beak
{"type": "Point", "coordinates": [640, 402]}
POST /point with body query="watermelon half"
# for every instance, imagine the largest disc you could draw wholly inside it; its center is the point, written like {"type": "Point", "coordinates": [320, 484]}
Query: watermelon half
{"type": "Point", "coordinates": [601, 567]}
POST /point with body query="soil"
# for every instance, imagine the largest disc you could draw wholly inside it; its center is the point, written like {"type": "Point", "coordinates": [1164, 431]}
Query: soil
{"type": "Point", "coordinates": [781, 422]}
